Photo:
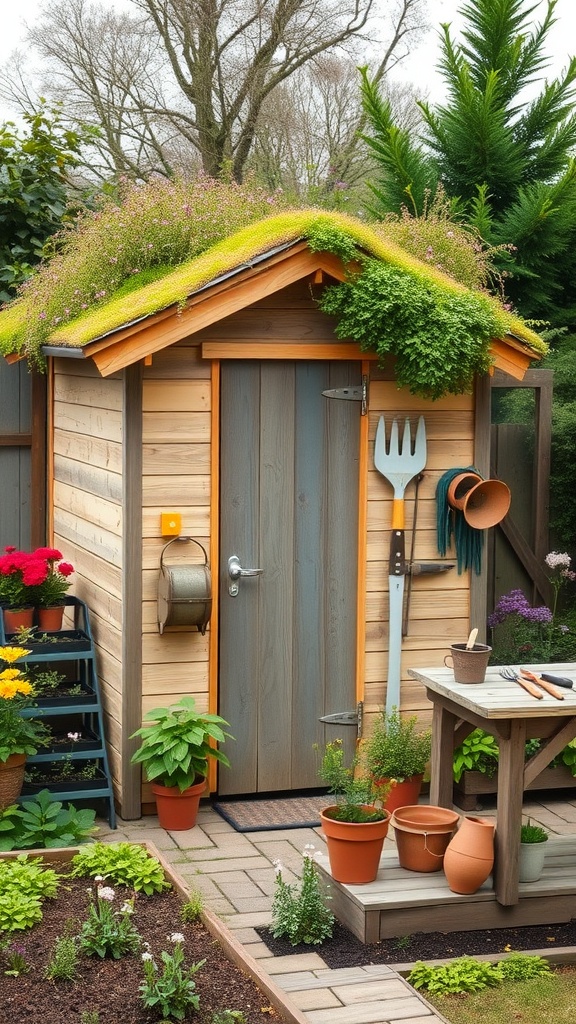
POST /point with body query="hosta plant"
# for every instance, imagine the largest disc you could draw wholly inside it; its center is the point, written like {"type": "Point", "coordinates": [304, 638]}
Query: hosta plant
{"type": "Point", "coordinates": [123, 864]}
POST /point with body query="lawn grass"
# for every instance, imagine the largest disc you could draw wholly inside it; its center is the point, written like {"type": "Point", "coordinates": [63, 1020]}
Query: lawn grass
{"type": "Point", "coordinates": [549, 999]}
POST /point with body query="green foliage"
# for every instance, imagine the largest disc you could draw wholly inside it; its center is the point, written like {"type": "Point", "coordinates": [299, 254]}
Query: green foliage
{"type": "Point", "coordinates": [350, 790]}
{"type": "Point", "coordinates": [396, 748]}
{"type": "Point", "coordinates": [43, 822]}
{"type": "Point", "coordinates": [176, 747]}
{"type": "Point", "coordinates": [108, 932]}
{"type": "Point", "coordinates": [148, 230]}
{"type": "Point", "coordinates": [24, 884]}
{"type": "Point", "coordinates": [170, 990]}
{"type": "Point", "coordinates": [63, 962]}
{"type": "Point", "coordinates": [299, 913]}
{"type": "Point", "coordinates": [90, 1017]}
{"type": "Point", "coordinates": [503, 155]}
{"type": "Point", "coordinates": [530, 833]}
{"type": "Point", "coordinates": [122, 863]}
{"type": "Point", "coordinates": [192, 909]}
{"type": "Point", "coordinates": [34, 190]}
{"type": "Point", "coordinates": [461, 975]}
{"type": "Point", "coordinates": [325, 237]}
{"type": "Point", "coordinates": [522, 966]}
{"type": "Point", "coordinates": [13, 959]}
{"type": "Point", "coordinates": [440, 341]}
{"type": "Point", "coordinates": [478, 753]}
{"type": "Point", "coordinates": [228, 1017]}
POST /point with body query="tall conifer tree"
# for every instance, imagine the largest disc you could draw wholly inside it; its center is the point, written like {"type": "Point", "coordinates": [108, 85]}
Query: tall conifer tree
{"type": "Point", "coordinates": [501, 146]}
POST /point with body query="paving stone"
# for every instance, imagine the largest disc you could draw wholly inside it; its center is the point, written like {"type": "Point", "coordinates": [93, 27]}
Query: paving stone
{"type": "Point", "coordinates": [192, 839]}
{"type": "Point", "coordinates": [246, 905]}
{"type": "Point", "coordinates": [318, 999]}
{"type": "Point", "coordinates": [237, 889]}
{"type": "Point", "coordinates": [368, 991]}
{"type": "Point", "coordinates": [257, 949]}
{"type": "Point", "coordinates": [372, 1013]}
{"type": "Point", "coordinates": [246, 935]}
{"type": "Point", "coordinates": [254, 920]}
{"type": "Point", "coordinates": [215, 862]}
{"type": "Point", "coordinates": [292, 962]}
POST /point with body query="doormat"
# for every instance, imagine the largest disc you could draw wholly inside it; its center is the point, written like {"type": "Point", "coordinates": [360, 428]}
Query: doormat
{"type": "Point", "coordinates": [260, 814]}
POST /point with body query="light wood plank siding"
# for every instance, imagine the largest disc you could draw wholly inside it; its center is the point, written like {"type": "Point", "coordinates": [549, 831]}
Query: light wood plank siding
{"type": "Point", "coordinates": [88, 523]}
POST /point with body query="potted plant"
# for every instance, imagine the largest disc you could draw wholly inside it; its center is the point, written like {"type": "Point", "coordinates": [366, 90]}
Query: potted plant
{"type": "Point", "coordinates": [174, 752]}
{"type": "Point", "coordinates": [19, 736]}
{"type": "Point", "coordinates": [396, 755]}
{"type": "Point", "coordinates": [532, 851]}
{"type": "Point", "coordinates": [29, 580]}
{"type": "Point", "coordinates": [355, 828]}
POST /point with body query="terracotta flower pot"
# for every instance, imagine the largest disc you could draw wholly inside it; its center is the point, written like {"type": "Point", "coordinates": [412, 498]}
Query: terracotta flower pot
{"type": "Point", "coordinates": [469, 857]}
{"type": "Point", "coordinates": [11, 779]}
{"type": "Point", "coordinates": [402, 793]}
{"type": "Point", "coordinates": [422, 835]}
{"type": "Point", "coordinates": [354, 848]}
{"type": "Point", "coordinates": [50, 619]}
{"type": "Point", "coordinates": [178, 811]}
{"type": "Point", "coordinates": [17, 618]}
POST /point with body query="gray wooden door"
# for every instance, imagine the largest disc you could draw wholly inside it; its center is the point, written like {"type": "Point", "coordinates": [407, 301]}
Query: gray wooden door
{"type": "Point", "coordinates": [22, 456]}
{"type": "Point", "coordinates": [289, 505]}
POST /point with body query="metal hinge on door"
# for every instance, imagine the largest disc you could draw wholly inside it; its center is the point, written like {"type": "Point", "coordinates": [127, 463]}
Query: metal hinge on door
{"type": "Point", "coordinates": [354, 393]}
{"type": "Point", "coordinates": [348, 718]}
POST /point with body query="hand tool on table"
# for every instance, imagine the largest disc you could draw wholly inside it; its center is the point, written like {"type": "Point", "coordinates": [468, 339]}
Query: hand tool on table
{"type": "Point", "coordinates": [399, 465]}
{"type": "Point", "coordinates": [532, 683]}
{"type": "Point", "coordinates": [564, 681]}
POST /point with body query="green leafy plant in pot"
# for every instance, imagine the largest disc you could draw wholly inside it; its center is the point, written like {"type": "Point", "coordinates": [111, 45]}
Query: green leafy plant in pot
{"type": "Point", "coordinates": [174, 753]}
{"type": "Point", "coordinates": [396, 755]}
{"type": "Point", "coordinates": [533, 839]}
{"type": "Point", "coordinates": [355, 828]}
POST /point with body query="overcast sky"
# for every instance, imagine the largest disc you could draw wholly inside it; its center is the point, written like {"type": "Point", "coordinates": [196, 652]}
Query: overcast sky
{"type": "Point", "coordinates": [419, 67]}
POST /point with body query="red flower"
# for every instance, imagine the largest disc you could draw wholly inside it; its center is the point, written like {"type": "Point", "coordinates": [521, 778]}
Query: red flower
{"type": "Point", "coordinates": [34, 572]}
{"type": "Point", "coordinates": [65, 569]}
{"type": "Point", "coordinates": [9, 548]}
{"type": "Point", "coordinates": [52, 554]}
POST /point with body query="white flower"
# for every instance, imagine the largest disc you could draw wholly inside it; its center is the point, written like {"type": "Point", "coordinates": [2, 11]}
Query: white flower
{"type": "Point", "coordinates": [277, 867]}
{"type": "Point", "coordinates": [556, 559]}
{"type": "Point", "coordinates": [74, 736]}
{"type": "Point", "coordinates": [147, 956]}
{"type": "Point", "coordinates": [106, 893]}
{"type": "Point", "coordinates": [176, 937]}
{"type": "Point", "coordinates": [127, 908]}
{"type": "Point", "coordinates": [98, 878]}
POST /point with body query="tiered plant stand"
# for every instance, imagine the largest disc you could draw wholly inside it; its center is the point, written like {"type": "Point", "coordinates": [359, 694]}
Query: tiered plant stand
{"type": "Point", "coordinates": [72, 653]}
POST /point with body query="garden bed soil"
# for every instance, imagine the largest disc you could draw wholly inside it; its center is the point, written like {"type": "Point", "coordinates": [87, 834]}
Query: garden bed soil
{"type": "Point", "coordinates": [110, 987]}
{"type": "Point", "coordinates": [345, 950]}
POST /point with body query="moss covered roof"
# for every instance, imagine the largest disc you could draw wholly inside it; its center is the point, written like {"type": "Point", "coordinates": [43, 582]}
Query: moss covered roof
{"type": "Point", "coordinates": [175, 286]}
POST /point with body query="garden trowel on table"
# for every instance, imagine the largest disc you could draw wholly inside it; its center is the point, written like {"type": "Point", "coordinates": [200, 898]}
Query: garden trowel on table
{"type": "Point", "coordinates": [399, 465]}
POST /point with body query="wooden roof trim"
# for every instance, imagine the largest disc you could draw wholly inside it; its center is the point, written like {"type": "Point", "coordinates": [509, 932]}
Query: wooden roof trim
{"type": "Point", "coordinates": [230, 281]}
{"type": "Point", "coordinates": [349, 351]}
{"type": "Point", "coordinates": [511, 356]}
{"type": "Point", "coordinates": [211, 307]}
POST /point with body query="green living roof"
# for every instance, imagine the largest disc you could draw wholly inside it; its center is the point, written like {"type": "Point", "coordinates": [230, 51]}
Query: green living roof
{"type": "Point", "coordinates": [175, 286]}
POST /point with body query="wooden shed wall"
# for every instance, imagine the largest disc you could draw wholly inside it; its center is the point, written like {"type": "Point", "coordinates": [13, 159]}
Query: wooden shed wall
{"type": "Point", "coordinates": [87, 519]}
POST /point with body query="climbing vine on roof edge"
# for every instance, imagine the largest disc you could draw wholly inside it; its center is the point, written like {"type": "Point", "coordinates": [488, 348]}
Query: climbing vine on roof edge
{"type": "Point", "coordinates": [440, 338]}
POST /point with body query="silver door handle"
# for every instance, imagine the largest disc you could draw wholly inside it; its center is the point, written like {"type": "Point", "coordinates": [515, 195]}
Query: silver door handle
{"type": "Point", "coordinates": [235, 571]}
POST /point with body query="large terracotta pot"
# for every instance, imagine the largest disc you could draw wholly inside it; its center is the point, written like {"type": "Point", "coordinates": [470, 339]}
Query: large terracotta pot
{"type": "Point", "coordinates": [50, 619]}
{"type": "Point", "coordinates": [11, 779]}
{"type": "Point", "coordinates": [17, 618]}
{"type": "Point", "coordinates": [422, 834]}
{"type": "Point", "coordinates": [178, 811]}
{"type": "Point", "coordinates": [354, 848]}
{"type": "Point", "coordinates": [402, 793]}
{"type": "Point", "coordinates": [469, 857]}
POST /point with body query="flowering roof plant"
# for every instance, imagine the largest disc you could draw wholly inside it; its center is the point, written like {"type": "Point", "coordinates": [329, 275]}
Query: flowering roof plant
{"type": "Point", "coordinates": [32, 578]}
{"type": "Point", "coordinates": [18, 735]}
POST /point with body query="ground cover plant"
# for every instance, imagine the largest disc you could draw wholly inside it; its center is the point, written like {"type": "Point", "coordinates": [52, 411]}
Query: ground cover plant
{"type": "Point", "coordinates": [548, 999]}
{"type": "Point", "coordinates": [86, 950]}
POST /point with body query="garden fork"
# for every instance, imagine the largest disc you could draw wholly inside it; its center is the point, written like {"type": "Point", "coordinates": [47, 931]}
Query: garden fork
{"type": "Point", "coordinates": [399, 465]}
{"type": "Point", "coordinates": [531, 682]}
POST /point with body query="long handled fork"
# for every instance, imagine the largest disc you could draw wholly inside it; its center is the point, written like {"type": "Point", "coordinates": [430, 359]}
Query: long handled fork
{"type": "Point", "coordinates": [399, 465]}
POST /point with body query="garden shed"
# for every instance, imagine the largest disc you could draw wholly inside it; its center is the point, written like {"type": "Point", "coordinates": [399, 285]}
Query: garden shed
{"type": "Point", "coordinates": [196, 406]}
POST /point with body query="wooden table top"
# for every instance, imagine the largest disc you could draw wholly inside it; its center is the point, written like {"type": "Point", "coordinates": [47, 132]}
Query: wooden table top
{"type": "Point", "coordinates": [499, 698]}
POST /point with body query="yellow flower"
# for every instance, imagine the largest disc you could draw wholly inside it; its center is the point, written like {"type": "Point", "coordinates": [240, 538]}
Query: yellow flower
{"type": "Point", "coordinates": [9, 688]}
{"type": "Point", "coordinates": [11, 673]}
{"type": "Point", "coordinates": [11, 654]}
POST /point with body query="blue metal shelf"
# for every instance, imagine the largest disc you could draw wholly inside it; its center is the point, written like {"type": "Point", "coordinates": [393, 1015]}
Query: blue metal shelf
{"type": "Point", "coordinates": [77, 646]}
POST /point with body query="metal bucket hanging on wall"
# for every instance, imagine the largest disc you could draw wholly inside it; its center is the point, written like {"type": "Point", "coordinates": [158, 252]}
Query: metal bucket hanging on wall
{"type": "Point", "coordinates": [184, 592]}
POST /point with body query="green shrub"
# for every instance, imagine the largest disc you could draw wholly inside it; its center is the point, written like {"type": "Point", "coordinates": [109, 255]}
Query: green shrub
{"type": "Point", "coordinates": [522, 966]}
{"type": "Point", "coordinates": [461, 975]}
{"type": "Point", "coordinates": [300, 914]}
{"type": "Point", "coordinates": [122, 863]}
{"type": "Point", "coordinates": [43, 823]}
{"type": "Point", "coordinates": [24, 884]}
